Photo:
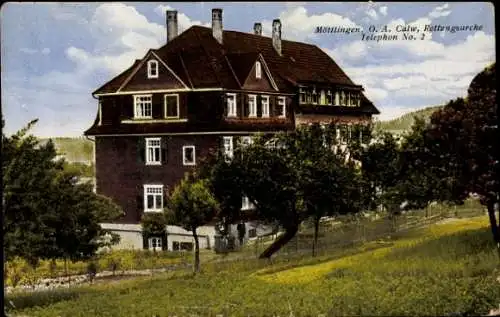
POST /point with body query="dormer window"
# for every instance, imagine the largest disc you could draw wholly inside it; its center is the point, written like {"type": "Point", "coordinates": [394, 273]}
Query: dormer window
{"type": "Point", "coordinates": [152, 69]}
{"type": "Point", "coordinates": [322, 98]}
{"type": "Point", "coordinates": [258, 70]}
{"type": "Point", "coordinates": [314, 97]}
{"type": "Point", "coordinates": [302, 95]}
{"type": "Point", "coordinates": [329, 98]}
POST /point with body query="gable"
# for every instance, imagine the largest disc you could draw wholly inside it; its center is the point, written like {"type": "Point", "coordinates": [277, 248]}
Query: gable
{"type": "Point", "coordinates": [253, 83]}
{"type": "Point", "coordinates": [139, 80]}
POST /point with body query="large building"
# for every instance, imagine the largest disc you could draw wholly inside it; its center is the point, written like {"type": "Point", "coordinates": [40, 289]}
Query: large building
{"type": "Point", "coordinates": [207, 88]}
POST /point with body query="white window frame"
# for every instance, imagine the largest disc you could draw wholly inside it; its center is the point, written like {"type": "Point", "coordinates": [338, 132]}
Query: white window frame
{"type": "Point", "coordinates": [302, 92]}
{"type": "Point", "coordinates": [252, 114]}
{"type": "Point", "coordinates": [184, 148]}
{"type": "Point", "coordinates": [258, 70]}
{"type": "Point", "coordinates": [246, 204]}
{"type": "Point", "coordinates": [282, 103]}
{"type": "Point", "coordinates": [159, 244]}
{"type": "Point", "coordinates": [155, 188]}
{"type": "Point", "coordinates": [165, 106]}
{"type": "Point", "coordinates": [149, 159]}
{"type": "Point", "coordinates": [153, 65]}
{"type": "Point", "coordinates": [322, 98]}
{"type": "Point", "coordinates": [232, 110]}
{"type": "Point", "coordinates": [337, 98]}
{"type": "Point", "coordinates": [138, 115]}
{"type": "Point", "coordinates": [246, 139]}
{"type": "Point", "coordinates": [227, 142]}
{"type": "Point", "coordinates": [265, 105]}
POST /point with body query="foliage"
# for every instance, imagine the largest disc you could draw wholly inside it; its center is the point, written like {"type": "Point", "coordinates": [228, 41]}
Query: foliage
{"type": "Point", "coordinates": [464, 139]}
{"type": "Point", "coordinates": [190, 206]}
{"type": "Point", "coordinates": [405, 122]}
{"type": "Point", "coordinates": [446, 269]}
{"type": "Point", "coordinates": [47, 214]}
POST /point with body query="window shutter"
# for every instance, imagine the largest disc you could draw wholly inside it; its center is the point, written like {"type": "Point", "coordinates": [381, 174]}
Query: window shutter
{"type": "Point", "coordinates": [164, 152]}
{"type": "Point", "coordinates": [245, 106]}
{"type": "Point", "coordinates": [141, 150]}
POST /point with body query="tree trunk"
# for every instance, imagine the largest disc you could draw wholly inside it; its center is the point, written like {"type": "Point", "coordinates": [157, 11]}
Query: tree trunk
{"type": "Point", "coordinates": [280, 242]}
{"type": "Point", "coordinates": [315, 241]}
{"type": "Point", "coordinates": [196, 267]}
{"type": "Point", "coordinates": [494, 226]}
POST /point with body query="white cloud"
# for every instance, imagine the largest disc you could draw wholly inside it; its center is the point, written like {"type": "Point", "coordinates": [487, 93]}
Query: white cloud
{"type": "Point", "coordinates": [440, 72]}
{"type": "Point", "coordinates": [440, 11]}
{"type": "Point", "coordinates": [184, 22]}
{"type": "Point", "coordinates": [383, 10]}
{"type": "Point", "coordinates": [372, 13]}
{"type": "Point", "coordinates": [297, 25]}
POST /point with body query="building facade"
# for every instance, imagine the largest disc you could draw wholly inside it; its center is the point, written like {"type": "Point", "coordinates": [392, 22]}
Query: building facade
{"type": "Point", "coordinates": [208, 88]}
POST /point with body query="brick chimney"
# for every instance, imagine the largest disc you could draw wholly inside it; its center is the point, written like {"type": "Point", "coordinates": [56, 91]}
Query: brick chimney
{"type": "Point", "coordinates": [277, 35]}
{"type": "Point", "coordinates": [217, 24]}
{"type": "Point", "coordinates": [171, 25]}
{"type": "Point", "coordinates": [257, 28]}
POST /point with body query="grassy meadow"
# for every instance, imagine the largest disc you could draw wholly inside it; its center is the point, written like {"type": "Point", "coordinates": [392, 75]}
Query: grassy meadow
{"type": "Point", "coordinates": [448, 267]}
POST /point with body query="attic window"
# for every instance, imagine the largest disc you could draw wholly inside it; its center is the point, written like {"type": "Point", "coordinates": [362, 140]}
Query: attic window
{"type": "Point", "coordinates": [152, 69]}
{"type": "Point", "coordinates": [258, 70]}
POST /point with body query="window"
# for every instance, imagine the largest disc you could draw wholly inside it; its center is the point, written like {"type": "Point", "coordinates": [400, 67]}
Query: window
{"type": "Point", "coordinates": [302, 95]}
{"type": "Point", "coordinates": [153, 198]}
{"type": "Point", "coordinates": [258, 70]}
{"type": "Point", "coordinates": [337, 98]}
{"type": "Point", "coordinates": [322, 99]}
{"type": "Point", "coordinates": [358, 101]}
{"type": "Point", "coordinates": [252, 233]}
{"type": "Point", "coordinates": [171, 106]}
{"type": "Point", "coordinates": [282, 107]}
{"type": "Point", "coordinates": [143, 106]}
{"type": "Point", "coordinates": [155, 244]}
{"type": "Point", "coordinates": [265, 106]}
{"type": "Point", "coordinates": [246, 141]}
{"type": "Point", "coordinates": [314, 97]}
{"type": "Point", "coordinates": [228, 147]}
{"type": "Point", "coordinates": [252, 105]}
{"type": "Point", "coordinates": [348, 99]}
{"type": "Point", "coordinates": [329, 98]}
{"type": "Point", "coordinates": [188, 155]}
{"type": "Point", "coordinates": [342, 98]}
{"type": "Point", "coordinates": [153, 151]}
{"type": "Point", "coordinates": [152, 69]}
{"type": "Point", "coordinates": [308, 96]}
{"type": "Point", "coordinates": [245, 203]}
{"type": "Point", "coordinates": [231, 105]}
{"type": "Point", "coordinates": [187, 246]}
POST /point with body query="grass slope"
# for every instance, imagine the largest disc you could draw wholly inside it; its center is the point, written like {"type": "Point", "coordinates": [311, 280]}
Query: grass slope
{"type": "Point", "coordinates": [405, 122]}
{"type": "Point", "coordinates": [441, 269]}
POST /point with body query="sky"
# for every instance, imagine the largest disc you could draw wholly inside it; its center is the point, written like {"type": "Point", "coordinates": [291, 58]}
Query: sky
{"type": "Point", "coordinates": [53, 55]}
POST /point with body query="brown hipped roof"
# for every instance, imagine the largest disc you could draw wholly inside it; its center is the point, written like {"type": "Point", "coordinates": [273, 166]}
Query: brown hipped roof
{"type": "Point", "coordinates": [198, 59]}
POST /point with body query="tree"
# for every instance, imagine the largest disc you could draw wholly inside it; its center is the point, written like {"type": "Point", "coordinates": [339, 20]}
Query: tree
{"type": "Point", "coordinates": [287, 177]}
{"type": "Point", "coordinates": [47, 214]}
{"type": "Point", "coordinates": [190, 206]}
{"type": "Point", "coordinates": [154, 225]}
{"type": "Point", "coordinates": [464, 136]}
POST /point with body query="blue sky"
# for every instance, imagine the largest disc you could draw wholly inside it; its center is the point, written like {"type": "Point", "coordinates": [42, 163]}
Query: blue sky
{"type": "Point", "coordinates": [55, 54]}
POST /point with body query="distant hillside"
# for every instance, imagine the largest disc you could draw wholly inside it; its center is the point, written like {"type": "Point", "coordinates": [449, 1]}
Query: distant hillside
{"type": "Point", "coordinates": [74, 149]}
{"type": "Point", "coordinates": [405, 122]}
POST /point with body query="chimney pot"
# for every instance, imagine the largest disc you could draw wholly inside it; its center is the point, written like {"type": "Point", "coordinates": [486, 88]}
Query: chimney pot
{"type": "Point", "coordinates": [277, 35]}
{"type": "Point", "coordinates": [257, 28]}
{"type": "Point", "coordinates": [217, 24]}
{"type": "Point", "coordinates": [171, 25]}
